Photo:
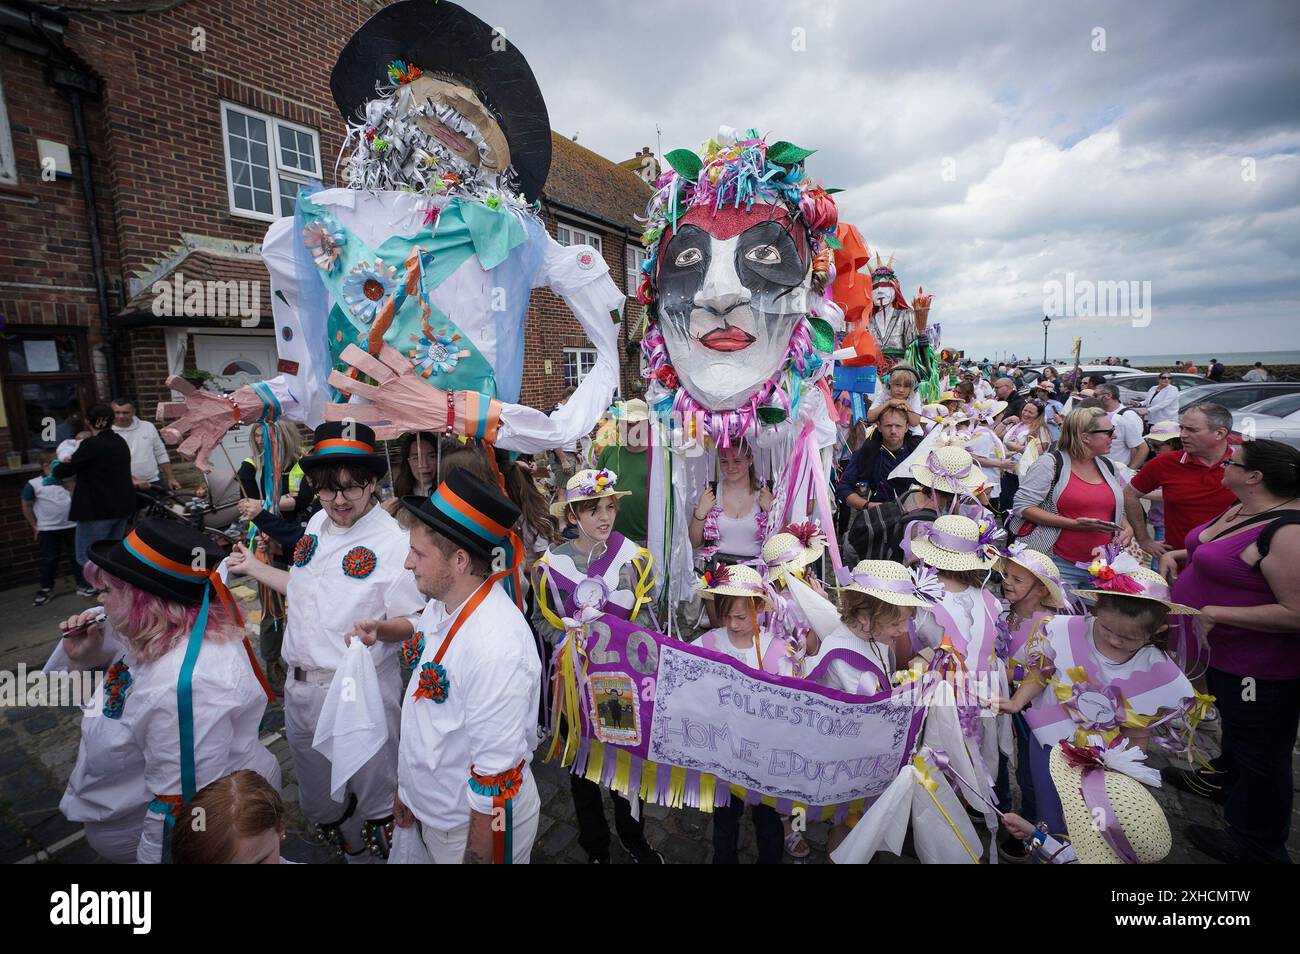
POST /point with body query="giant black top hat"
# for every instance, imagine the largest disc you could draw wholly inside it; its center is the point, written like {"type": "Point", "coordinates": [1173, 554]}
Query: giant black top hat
{"type": "Point", "coordinates": [444, 38]}
{"type": "Point", "coordinates": [347, 443]}
{"type": "Point", "coordinates": [468, 511]}
{"type": "Point", "coordinates": [162, 557]}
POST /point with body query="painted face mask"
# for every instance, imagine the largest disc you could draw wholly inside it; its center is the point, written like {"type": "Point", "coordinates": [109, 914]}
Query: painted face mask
{"type": "Point", "coordinates": [732, 288]}
{"type": "Point", "coordinates": [734, 232]}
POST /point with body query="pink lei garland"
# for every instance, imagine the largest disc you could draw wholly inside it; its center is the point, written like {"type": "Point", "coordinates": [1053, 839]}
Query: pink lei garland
{"type": "Point", "coordinates": [782, 390]}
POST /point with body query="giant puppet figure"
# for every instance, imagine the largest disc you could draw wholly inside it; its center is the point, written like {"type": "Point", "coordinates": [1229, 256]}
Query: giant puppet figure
{"type": "Point", "coordinates": [738, 344]}
{"type": "Point", "coordinates": [899, 328]}
{"type": "Point", "coordinates": [418, 272]}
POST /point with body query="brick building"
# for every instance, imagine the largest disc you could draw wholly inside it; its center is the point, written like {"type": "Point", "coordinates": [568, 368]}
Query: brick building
{"type": "Point", "coordinates": [149, 141]}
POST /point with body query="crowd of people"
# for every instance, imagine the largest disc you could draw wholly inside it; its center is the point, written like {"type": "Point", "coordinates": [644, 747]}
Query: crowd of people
{"type": "Point", "coordinates": [1087, 491]}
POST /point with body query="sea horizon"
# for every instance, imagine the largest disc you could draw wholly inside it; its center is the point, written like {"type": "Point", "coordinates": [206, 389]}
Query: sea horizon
{"type": "Point", "coordinates": [1202, 358]}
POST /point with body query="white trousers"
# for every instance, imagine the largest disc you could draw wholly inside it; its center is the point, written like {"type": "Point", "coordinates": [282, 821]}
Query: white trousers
{"type": "Point", "coordinates": [374, 785]}
{"type": "Point", "coordinates": [448, 847]}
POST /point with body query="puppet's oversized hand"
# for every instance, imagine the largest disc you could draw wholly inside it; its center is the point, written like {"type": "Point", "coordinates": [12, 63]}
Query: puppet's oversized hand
{"type": "Point", "coordinates": [921, 308]}
{"type": "Point", "coordinates": [403, 400]}
{"type": "Point", "coordinates": [203, 418]}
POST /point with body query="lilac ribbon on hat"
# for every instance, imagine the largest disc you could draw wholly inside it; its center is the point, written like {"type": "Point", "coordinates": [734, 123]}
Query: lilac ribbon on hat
{"type": "Point", "coordinates": [989, 533]}
{"type": "Point", "coordinates": [934, 464]}
{"type": "Point", "coordinates": [921, 530]}
{"type": "Point", "coordinates": [1092, 787]}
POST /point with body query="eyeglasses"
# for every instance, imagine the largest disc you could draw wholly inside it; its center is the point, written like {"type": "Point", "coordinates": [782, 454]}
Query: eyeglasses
{"type": "Point", "coordinates": [1109, 432]}
{"type": "Point", "coordinates": [1164, 377]}
{"type": "Point", "coordinates": [355, 492]}
{"type": "Point", "coordinates": [1236, 463]}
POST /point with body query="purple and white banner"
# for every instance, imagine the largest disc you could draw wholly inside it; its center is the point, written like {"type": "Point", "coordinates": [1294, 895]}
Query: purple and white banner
{"type": "Point", "coordinates": [682, 707]}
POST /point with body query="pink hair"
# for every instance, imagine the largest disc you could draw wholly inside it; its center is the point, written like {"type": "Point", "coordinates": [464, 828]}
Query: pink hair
{"type": "Point", "coordinates": [155, 625]}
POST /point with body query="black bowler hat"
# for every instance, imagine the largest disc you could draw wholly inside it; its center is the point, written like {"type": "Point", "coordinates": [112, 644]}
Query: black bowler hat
{"type": "Point", "coordinates": [444, 38]}
{"type": "Point", "coordinates": [161, 557]}
{"type": "Point", "coordinates": [468, 511]}
{"type": "Point", "coordinates": [347, 443]}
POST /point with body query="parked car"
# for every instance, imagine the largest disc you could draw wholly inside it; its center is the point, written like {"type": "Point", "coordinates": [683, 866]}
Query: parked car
{"type": "Point", "coordinates": [1277, 419]}
{"type": "Point", "coordinates": [1135, 387]}
{"type": "Point", "coordinates": [1235, 395]}
{"type": "Point", "coordinates": [1109, 372]}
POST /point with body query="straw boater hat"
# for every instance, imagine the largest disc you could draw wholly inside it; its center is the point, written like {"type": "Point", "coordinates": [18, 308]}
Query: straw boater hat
{"type": "Point", "coordinates": [940, 414]}
{"type": "Point", "coordinates": [985, 409]}
{"type": "Point", "coordinates": [738, 580]}
{"type": "Point", "coordinates": [1124, 576]}
{"type": "Point", "coordinates": [588, 485]}
{"type": "Point", "coordinates": [950, 470]}
{"type": "Point", "coordinates": [1041, 566]}
{"type": "Point", "coordinates": [1136, 825]}
{"type": "Point", "coordinates": [892, 582]}
{"type": "Point", "coordinates": [793, 548]}
{"type": "Point", "coordinates": [954, 543]}
{"type": "Point", "coordinates": [1163, 431]}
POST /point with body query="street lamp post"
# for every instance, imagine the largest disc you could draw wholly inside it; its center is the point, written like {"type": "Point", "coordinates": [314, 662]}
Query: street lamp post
{"type": "Point", "coordinates": [1046, 321]}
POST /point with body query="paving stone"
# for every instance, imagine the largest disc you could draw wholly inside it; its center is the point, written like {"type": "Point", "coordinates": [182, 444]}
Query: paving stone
{"type": "Point", "coordinates": [52, 829]}
{"type": "Point", "coordinates": [559, 837]}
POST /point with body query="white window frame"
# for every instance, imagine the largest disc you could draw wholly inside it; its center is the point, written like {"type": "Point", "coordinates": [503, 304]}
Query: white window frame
{"type": "Point", "coordinates": [8, 162]}
{"type": "Point", "coordinates": [635, 259]}
{"type": "Point", "coordinates": [578, 355]}
{"type": "Point", "coordinates": [569, 234]}
{"type": "Point", "coordinates": [279, 172]}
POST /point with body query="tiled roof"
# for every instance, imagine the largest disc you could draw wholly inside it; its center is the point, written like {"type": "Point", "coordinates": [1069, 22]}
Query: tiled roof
{"type": "Point", "coordinates": [213, 270]}
{"type": "Point", "coordinates": [584, 182]}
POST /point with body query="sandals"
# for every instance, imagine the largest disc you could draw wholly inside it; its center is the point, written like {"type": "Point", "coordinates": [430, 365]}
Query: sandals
{"type": "Point", "coordinates": [796, 847]}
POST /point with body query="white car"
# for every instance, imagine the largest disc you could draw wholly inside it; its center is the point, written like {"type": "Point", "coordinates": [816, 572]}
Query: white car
{"type": "Point", "coordinates": [1276, 419]}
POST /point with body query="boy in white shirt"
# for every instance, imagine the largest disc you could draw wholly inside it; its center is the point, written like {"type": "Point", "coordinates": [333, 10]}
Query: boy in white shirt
{"type": "Point", "coordinates": [45, 504]}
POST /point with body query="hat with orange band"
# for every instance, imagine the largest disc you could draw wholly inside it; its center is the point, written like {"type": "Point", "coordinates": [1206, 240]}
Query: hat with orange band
{"type": "Point", "coordinates": [347, 443]}
{"type": "Point", "coordinates": [468, 511]}
{"type": "Point", "coordinates": [161, 557]}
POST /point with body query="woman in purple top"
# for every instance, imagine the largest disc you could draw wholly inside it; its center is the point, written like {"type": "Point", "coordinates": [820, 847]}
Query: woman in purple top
{"type": "Point", "coordinates": [1240, 571]}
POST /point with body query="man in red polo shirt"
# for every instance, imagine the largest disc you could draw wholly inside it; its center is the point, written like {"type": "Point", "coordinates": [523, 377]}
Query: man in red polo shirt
{"type": "Point", "coordinates": [1191, 479]}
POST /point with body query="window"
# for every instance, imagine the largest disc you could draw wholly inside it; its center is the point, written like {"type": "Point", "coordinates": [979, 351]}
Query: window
{"type": "Point", "coordinates": [8, 166]}
{"type": "Point", "coordinates": [571, 235]}
{"type": "Point", "coordinates": [267, 161]}
{"type": "Point", "coordinates": [47, 384]}
{"type": "Point", "coordinates": [578, 363]}
{"type": "Point", "coordinates": [635, 257]}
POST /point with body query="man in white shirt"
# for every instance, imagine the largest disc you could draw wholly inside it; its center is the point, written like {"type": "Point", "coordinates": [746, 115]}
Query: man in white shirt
{"type": "Point", "coordinates": [1162, 401]}
{"type": "Point", "coordinates": [1257, 373]}
{"type": "Point", "coordinates": [1127, 448]}
{"type": "Point", "coordinates": [469, 719]}
{"type": "Point", "coordinates": [148, 452]}
{"type": "Point", "coordinates": [348, 565]}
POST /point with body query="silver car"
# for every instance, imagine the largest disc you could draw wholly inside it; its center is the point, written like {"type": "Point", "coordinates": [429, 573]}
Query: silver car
{"type": "Point", "coordinates": [1276, 419]}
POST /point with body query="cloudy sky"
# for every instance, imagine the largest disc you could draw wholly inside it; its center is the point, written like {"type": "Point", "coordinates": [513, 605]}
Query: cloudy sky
{"type": "Point", "coordinates": [993, 147]}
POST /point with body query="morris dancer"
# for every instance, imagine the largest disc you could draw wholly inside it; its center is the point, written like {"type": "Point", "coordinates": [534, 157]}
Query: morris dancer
{"type": "Point", "coordinates": [599, 571]}
{"type": "Point", "coordinates": [182, 699]}
{"type": "Point", "coordinates": [469, 719]}
{"type": "Point", "coordinates": [348, 565]}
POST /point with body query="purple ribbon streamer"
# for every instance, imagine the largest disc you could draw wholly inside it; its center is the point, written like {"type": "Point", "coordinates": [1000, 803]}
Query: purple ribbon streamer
{"type": "Point", "coordinates": [1092, 786]}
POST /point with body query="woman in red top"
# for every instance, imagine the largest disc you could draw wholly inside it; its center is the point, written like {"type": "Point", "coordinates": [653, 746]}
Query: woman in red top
{"type": "Point", "coordinates": [1073, 497]}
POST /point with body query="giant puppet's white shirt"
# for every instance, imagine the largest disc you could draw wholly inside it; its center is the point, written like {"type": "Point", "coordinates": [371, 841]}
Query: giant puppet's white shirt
{"type": "Point", "coordinates": [577, 273]}
{"type": "Point", "coordinates": [123, 763]}
{"type": "Point", "coordinates": [488, 719]}
{"type": "Point", "coordinates": [323, 601]}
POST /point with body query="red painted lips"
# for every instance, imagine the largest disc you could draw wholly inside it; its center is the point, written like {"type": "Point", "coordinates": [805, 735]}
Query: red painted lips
{"type": "Point", "coordinates": [727, 339]}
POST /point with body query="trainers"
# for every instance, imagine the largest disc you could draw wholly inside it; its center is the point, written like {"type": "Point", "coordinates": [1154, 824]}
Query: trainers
{"type": "Point", "coordinates": [42, 597]}
{"type": "Point", "coordinates": [87, 591]}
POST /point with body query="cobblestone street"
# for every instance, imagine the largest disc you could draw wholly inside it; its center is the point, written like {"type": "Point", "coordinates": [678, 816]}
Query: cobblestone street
{"type": "Point", "coordinates": [38, 748]}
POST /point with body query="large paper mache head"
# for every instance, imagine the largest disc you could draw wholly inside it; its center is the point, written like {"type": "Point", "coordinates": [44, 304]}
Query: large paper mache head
{"type": "Point", "coordinates": [732, 235]}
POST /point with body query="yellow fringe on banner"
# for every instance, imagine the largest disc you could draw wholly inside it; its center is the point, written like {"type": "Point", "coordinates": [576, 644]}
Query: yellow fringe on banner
{"type": "Point", "coordinates": [595, 761]}
{"type": "Point", "coordinates": [708, 791]}
{"type": "Point", "coordinates": [622, 769]}
{"type": "Point", "coordinates": [676, 786]}
{"type": "Point", "coordinates": [645, 581]}
{"type": "Point", "coordinates": [649, 773]}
